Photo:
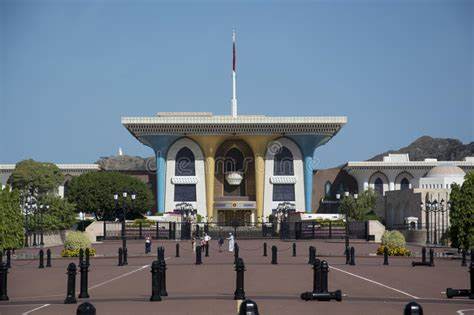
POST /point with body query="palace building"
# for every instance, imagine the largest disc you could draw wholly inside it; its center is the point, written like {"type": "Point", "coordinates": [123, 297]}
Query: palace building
{"type": "Point", "coordinates": [233, 167]}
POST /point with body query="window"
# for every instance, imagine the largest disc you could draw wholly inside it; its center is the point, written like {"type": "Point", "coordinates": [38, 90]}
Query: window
{"type": "Point", "coordinates": [283, 192]}
{"type": "Point", "coordinates": [327, 189]}
{"type": "Point", "coordinates": [404, 184]}
{"type": "Point", "coordinates": [184, 165]}
{"type": "Point", "coordinates": [185, 192]}
{"type": "Point", "coordinates": [283, 162]}
{"type": "Point", "coordinates": [378, 185]}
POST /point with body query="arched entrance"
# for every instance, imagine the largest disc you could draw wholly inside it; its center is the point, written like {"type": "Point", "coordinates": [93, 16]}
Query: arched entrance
{"type": "Point", "coordinates": [234, 189]}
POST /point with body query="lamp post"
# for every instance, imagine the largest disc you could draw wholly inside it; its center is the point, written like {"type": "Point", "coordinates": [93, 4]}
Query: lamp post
{"type": "Point", "coordinates": [29, 207]}
{"type": "Point", "coordinates": [124, 213]}
{"type": "Point", "coordinates": [435, 215]}
{"type": "Point", "coordinates": [41, 207]}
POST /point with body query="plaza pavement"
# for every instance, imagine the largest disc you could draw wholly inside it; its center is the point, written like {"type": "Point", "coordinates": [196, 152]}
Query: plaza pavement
{"type": "Point", "coordinates": [368, 288]}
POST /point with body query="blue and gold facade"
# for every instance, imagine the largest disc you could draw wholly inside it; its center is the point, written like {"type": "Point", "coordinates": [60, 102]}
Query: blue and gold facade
{"type": "Point", "coordinates": [233, 166]}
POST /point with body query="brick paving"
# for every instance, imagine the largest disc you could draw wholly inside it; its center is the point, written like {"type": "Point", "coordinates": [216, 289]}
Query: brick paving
{"type": "Point", "coordinates": [368, 287]}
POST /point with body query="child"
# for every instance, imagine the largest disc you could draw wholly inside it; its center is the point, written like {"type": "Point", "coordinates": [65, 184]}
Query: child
{"type": "Point", "coordinates": [147, 244]}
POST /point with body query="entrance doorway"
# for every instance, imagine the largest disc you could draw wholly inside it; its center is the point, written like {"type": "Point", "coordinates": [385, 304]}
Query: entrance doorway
{"type": "Point", "coordinates": [230, 217]}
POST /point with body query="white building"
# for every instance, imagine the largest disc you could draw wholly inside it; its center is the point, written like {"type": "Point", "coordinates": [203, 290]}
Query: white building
{"type": "Point", "coordinates": [397, 172]}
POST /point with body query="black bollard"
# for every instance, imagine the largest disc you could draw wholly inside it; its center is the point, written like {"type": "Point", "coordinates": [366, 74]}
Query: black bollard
{"type": "Point", "coordinates": [9, 258]}
{"type": "Point", "coordinates": [88, 257]}
{"type": "Point", "coordinates": [3, 282]}
{"type": "Point", "coordinates": [294, 249]}
{"type": "Point", "coordinates": [320, 285]}
{"type": "Point", "coordinates": [155, 281]}
{"type": "Point", "coordinates": [86, 308]}
{"type": "Point", "coordinates": [317, 276]}
{"type": "Point", "coordinates": [265, 249]}
{"type": "Point", "coordinates": [71, 284]}
{"type": "Point", "coordinates": [352, 262]}
{"type": "Point", "coordinates": [312, 255]}
{"type": "Point", "coordinates": [423, 255]}
{"type": "Point", "coordinates": [177, 249]}
{"type": "Point", "coordinates": [81, 257]}
{"type": "Point", "coordinates": [463, 260]}
{"type": "Point", "coordinates": [84, 268]}
{"type": "Point", "coordinates": [162, 271]}
{"type": "Point", "coordinates": [160, 251]}
{"type": "Point", "coordinates": [41, 259]}
{"type": "Point", "coordinates": [198, 255]}
{"type": "Point", "coordinates": [248, 307]}
{"type": "Point", "coordinates": [348, 256]}
{"type": "Point", "coordinates": [207, 249]}
{"type": "Point", "coordinates": [450, 293]}
{"type": "Point", "coordinates": [239, 293]}
{"type": "Point", "coordinates": [324, 276]}
{"type": "Point", "coordinates": [431, 264]}
{"type": "Point", "coordinates": [48, 258]}
{"type": "Point", "coordinates": [346, 243]}
{"type": "Point", "coordinates": [385, 256]}
{"type": "Point", "coordinates": [120, 256]}
{"type": "Point", "coordinates": [236, 252]}
{"type": "Point", "coordinates": [125, 256]}
{"type": "Point", "coordinates": [413, 308]}
{"type": "Point", "coordinates": [274, 255]}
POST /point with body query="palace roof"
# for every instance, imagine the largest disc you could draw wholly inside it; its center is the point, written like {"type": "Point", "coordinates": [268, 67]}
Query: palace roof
{"type": "Point", "coordinates": [207, 124]}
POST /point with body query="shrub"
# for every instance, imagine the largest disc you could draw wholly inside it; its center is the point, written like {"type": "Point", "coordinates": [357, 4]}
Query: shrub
{"type": "Point", "coordinates": [75, 252]}
{"type": "Point", "coordinates": [144, 222]}
{"type": "Point", "coordinates": [393, 239]}
{"type": "Point", "coordinates": [76, 241]}
{"type": "Point", "coordinates": [394, 251]}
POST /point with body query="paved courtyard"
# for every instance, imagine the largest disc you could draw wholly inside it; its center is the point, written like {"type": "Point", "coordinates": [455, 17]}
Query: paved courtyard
{"type": "Point", "coordinates": [368, 288]}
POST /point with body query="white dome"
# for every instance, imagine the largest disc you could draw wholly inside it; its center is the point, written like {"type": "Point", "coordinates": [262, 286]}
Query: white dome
{"type": "Point", "coordinates": [445, 171]}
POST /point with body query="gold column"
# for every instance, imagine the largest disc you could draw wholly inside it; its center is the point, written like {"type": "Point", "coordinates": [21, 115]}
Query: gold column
{"type": "Point", "coordinates": [209, 146]}
{"type": "Point", "coordinates": [259, 147]}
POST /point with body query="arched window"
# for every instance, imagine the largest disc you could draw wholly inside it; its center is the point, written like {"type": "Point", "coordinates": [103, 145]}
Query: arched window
{"type": "Point", "coordinates": [405, 184]}
{"type": "Point", "coordinates": [378, 185]}
{"type": "Point", "coordinates": [327, 188]}
{"type": "Point", "coordinates": [283, 162]}
{"type": "Point", "coordinates": [184, 165]}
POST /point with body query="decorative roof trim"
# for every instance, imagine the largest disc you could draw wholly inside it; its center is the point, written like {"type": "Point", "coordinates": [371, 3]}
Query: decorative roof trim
{"type": "Point", "coordinates": [223, 125]}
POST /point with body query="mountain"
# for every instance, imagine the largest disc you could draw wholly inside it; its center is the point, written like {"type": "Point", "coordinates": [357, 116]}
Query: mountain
{"type": "Point", "coordinates": [443, 149]}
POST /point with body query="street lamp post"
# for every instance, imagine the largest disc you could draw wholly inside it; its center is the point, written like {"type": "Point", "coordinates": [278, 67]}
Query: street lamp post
{"type": "Point", "coordinates": [41, 207]}
{"type": "Point", "coordinates": [124, 213]}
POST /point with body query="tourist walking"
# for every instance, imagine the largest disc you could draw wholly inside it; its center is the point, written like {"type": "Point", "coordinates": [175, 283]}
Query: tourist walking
{"type": "Point", "coordinates": [147, 244]}
{"type": "Point", "coordinates": [231, 242]}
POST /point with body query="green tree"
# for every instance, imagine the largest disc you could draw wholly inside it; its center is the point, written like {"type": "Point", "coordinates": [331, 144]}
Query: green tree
{"type": "Point", "coordinates": [11, 219]}
{"type": "Point", "coordinates": [38, 177]}
{"type": "Point", "coordinates": [461, 214]}
{"type": "Point", "coordinates": [358, 209]}
{"type": "Point", "coordinates": [60, 215]}
{"type": "Point", "coordinates": [93, 193]}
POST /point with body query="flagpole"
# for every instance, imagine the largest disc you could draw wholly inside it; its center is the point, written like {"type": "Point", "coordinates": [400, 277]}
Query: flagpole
{"type": "Point", "coordinates": [234, 88]}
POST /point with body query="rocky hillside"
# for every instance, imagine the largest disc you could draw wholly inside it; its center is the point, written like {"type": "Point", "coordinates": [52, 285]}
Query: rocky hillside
{"type": "Point", "coordinates": [439, 148]}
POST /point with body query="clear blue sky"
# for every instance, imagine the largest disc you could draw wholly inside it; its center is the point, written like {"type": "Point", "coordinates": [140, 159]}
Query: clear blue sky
{"type": "Point", "coordinates": [70, 69]}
